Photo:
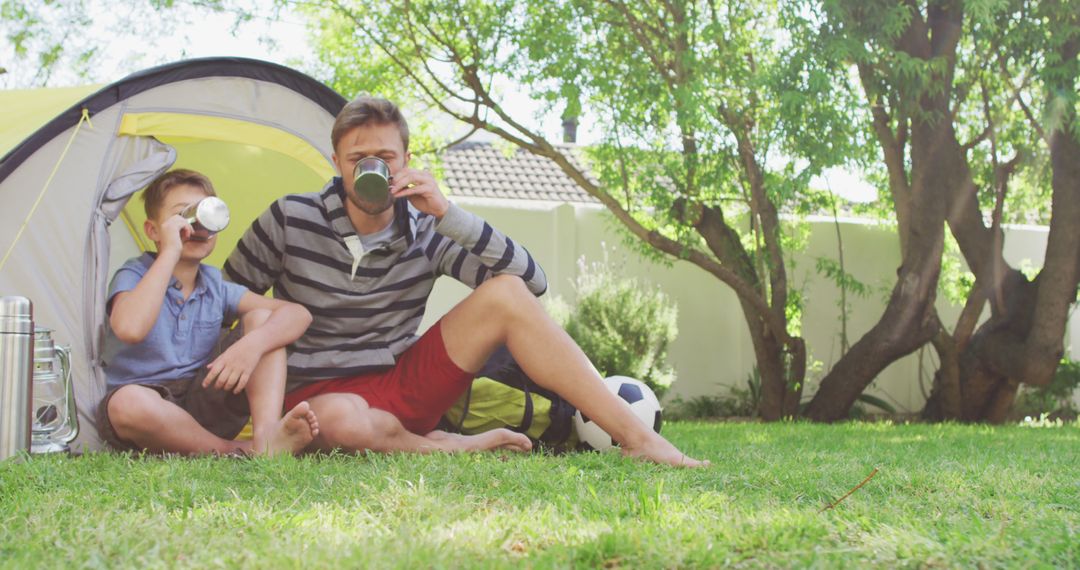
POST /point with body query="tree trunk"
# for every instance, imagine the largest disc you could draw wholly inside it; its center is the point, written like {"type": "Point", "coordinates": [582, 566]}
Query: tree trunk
{"type": "Point", "coordinates": [907, 324]}
{"type": "Point", "coordinates": [1022, 342]}
{"type": "Point", "coordinates": [780, 369]}
{"type": "Point", "coordinates": [966, 388]}
{"type": "Point", "coordinates": [937, 166]}
{"type": "Point", "coordinates": [781, 380]}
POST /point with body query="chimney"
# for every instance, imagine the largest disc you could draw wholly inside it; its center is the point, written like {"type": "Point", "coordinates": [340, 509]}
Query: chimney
{"type": "Point", "coordinates": [569, 130]}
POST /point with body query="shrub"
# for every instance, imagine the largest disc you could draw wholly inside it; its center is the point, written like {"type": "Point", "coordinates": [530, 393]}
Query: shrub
{"type": "Point", "coordinates": [1054, 399]}
{"type": "Point", "coordinates": [623, 326]}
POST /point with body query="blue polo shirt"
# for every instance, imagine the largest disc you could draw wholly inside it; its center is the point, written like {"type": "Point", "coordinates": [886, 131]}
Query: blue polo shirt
{"type": "Point", "coordinates": [182, 339]}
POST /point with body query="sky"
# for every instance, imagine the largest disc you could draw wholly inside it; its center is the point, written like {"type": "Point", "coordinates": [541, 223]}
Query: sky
{"type": "Point", "coordinates": [283, 40]}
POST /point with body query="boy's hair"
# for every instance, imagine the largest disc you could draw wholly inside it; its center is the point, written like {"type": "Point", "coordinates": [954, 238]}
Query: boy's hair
{"type": "Point", "coordinates": [154, 196]}
{"type": "Point", "coordinates": [366, 110]}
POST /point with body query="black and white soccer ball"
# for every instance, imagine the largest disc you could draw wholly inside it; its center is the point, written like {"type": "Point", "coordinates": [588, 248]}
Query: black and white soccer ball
{"type": "Point", "coordinates": [637, 395]}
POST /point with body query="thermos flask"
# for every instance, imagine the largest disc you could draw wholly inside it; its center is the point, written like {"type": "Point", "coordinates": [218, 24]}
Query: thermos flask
{"type": "Point", "coordinates": [16, 374]}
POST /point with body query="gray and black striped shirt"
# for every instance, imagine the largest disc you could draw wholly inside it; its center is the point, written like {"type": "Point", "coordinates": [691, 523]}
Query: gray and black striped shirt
{"type": "Point", "coordinates": [365, 307]}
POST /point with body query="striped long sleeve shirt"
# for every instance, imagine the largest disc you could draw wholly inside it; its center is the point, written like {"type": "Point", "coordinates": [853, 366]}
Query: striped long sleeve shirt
{"type": "Point", "coordinates": [366, 308]}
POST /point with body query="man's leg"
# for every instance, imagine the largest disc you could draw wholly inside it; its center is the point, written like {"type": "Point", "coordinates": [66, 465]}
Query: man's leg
{"type": "Point", "coordinates": [271, 432]}
{"type": "Point", "coordinates": [140, 415]}
{"type": "Point", "coordinates": [347, 422]}
{"type": "Point", "coordinates": [502, 311]}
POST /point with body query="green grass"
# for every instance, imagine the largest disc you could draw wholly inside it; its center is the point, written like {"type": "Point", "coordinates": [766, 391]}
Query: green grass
{"type": "Point", "coordinates": [953, 496]}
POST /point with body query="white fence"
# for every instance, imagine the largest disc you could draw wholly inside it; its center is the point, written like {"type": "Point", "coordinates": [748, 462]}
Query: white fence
{"type": "Point", "coordinates": [712, 352]}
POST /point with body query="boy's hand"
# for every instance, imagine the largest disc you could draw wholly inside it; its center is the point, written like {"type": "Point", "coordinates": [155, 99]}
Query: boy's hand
{"type": "Point", "coordinates": [232, 369]}
{"type": "Point", "coordinates": [174, 232]}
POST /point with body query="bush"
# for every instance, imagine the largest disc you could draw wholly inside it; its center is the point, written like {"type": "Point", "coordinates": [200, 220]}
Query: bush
{"type": "Point", "coordinates": [1054, 399]}
{"type": "Point", "coordinates": [623, 326]}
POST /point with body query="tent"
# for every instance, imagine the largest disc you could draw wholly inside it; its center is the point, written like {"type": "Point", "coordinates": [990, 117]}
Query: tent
{"type": "Point", "coordinates": [74, 158]}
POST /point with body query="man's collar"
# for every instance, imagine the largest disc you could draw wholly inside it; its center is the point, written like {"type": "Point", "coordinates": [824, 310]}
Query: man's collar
{"type": "Point", "coordinates": [333, 198]}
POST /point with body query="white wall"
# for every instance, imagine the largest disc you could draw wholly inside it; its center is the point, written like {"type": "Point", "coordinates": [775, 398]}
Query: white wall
{"type": "Point", "coordinates": [712, 351]}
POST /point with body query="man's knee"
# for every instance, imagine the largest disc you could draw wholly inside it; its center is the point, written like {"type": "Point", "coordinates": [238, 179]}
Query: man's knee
{"type": "Point", "coordinates": [504, 292]}
{"type": "Point", "coordinates": [254, 319]}
{"type": "Point", "coordinates": [350, 425]}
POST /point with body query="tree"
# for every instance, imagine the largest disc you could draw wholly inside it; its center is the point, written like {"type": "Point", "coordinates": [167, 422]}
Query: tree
{"type": "Point", "coordinates": [62, 42]}
{"type": "Point", "coordinates": [924, 70]}
{"type": "Point", "coordinates": [714, 121]}
{"type": "Point", "coordinates": [42, 37]}
{"type": "Point", "coordinates": [905, 63]}
{"type": "Point", "coordinates": [1034, 51]}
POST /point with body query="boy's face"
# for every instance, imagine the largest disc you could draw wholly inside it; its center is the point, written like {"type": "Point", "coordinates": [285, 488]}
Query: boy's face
{"type": "Point", "coordinates": [373, 139]}
{"type": "Point", "coordinates": [176, 199]}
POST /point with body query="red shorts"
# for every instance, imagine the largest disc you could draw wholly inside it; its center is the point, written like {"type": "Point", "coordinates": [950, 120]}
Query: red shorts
{"type": "Point", "coordinates": [417, 390]}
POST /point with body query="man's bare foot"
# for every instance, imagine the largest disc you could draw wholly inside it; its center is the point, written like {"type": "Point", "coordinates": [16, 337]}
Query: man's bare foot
{"type": "Point", "coordinates": [660, 450]}
{"type": "Point", "coordinates": [292, 433]}
{"type": "Point", "coordinates": [500, 438]}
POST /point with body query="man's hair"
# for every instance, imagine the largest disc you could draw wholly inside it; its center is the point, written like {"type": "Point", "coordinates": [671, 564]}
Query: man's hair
{"type": "Point", "coordinates": [365, 110]}
{"type": "Point", "coordinates": [154, 196]}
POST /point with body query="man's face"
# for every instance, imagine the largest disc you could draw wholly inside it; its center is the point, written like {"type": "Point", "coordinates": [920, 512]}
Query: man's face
{"type": "Point", "coordinates": [381, 140]}
{"type": "Point", "coordinates": [200, 244]}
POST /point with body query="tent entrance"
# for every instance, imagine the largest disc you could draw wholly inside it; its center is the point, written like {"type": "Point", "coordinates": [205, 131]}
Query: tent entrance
{"type": "Point", "coordinates": [250, 164]}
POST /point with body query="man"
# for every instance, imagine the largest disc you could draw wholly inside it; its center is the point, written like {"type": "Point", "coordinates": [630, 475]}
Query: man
{"type": "Point", "coordinates": [365, 269]}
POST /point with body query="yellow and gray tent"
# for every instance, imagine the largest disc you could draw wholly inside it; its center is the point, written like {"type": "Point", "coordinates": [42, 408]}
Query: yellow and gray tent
{"type": "Point", "coordinates": [74, 158]}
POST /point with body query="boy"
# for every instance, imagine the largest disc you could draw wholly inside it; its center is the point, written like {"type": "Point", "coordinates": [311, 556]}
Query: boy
{"type": "Point", "coordinates": [165, 315]}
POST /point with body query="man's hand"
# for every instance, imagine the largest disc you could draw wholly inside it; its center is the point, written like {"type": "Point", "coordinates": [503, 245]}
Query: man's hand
{"type": "Point", "coordinates": [174, 232]}
{"type": "Point", "coordinates": [420, 188]}
{"type": "Point", "coordinates": [232, 369]}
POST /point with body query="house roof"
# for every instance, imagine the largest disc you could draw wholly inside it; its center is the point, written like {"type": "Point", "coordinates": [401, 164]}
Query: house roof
{"type": "Point", "coordinates": [481, 170]}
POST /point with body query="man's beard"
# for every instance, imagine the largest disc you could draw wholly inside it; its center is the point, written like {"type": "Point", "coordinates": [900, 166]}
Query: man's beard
{"type": "Point", "coordinates": [371, 208]}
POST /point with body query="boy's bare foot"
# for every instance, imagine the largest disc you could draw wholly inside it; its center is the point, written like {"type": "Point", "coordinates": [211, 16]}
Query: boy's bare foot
{"type": "Point", "coordinates": [659, 450]}
{"type": "Point", "coordinates": [292, 433]}
{"type": "Point", "coordinates": [490, 440]}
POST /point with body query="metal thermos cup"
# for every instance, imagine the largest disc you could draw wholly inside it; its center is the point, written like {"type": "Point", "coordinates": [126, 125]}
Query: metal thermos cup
{"type": "Point", "coordinates": [371, 180]}
{"type": "Point", "coordinates": [16, 374]}
{"type": "Point", "coordinates": [210, 214]}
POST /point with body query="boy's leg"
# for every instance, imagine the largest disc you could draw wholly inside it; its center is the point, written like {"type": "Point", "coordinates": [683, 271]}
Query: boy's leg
{"type": "Point", "coordinates": [347, 422]}
{"type": "Point", "coordinates": [502, 311]}
{"type": "Point", "coordinates": [142, 416]}
{"type": "Point", "coordinates": [273, 433]}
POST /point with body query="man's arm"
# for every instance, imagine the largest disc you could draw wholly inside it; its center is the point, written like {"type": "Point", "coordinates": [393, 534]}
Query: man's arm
{"type": "Point", "coordinates": [232, 369]}
{"type": "Point", "coordinates": [133, 313]}
{"type": "Point", "coordinates": [475, 251]}
{"type": "Point", "coordinates": [258, 259]}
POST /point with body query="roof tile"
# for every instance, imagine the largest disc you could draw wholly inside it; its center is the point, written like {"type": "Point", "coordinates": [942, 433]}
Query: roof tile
{"type": "Point", "coordinates": [478, 169]}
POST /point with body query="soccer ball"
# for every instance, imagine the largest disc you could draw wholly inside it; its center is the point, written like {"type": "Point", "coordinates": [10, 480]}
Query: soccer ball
{"type": "Point", "coordinates": [637, 395]}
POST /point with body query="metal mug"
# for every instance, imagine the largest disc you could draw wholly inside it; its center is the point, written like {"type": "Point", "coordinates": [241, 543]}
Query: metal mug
{"type": "Point", "coordinates": [371, 180]}
{"type": "Point", "coordinates": [55, 421]}
{"type": "Point", "coordinates": [207, 217]}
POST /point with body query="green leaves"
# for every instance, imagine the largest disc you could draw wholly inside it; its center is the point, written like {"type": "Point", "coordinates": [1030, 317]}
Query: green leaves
{"type": "Point", "coordinates": [623, 326]}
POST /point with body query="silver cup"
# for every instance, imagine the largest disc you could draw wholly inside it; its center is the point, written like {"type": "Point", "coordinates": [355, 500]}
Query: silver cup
{"type": "Point", "coordinates": [207, 217]}
{"type": "Point", "coordinates": [371, 181]}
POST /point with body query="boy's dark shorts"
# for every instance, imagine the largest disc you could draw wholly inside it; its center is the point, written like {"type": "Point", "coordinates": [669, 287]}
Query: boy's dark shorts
{"type": "Point", "coordinates": [222, 413]}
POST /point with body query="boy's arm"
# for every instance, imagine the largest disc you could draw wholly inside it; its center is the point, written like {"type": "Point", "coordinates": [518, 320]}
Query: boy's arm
{"type": "Point", "coordinates": [134, 312]}
{"type": "Point", "coordinates": [287, 321]}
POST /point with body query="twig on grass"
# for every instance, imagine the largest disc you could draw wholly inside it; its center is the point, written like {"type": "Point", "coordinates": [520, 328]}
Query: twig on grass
{"type": "Point", "coordinates": [856, 488]}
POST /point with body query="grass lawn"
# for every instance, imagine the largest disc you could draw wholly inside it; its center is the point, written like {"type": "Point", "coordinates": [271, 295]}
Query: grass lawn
{"type": "Point", "coordinates": [963, 496]}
